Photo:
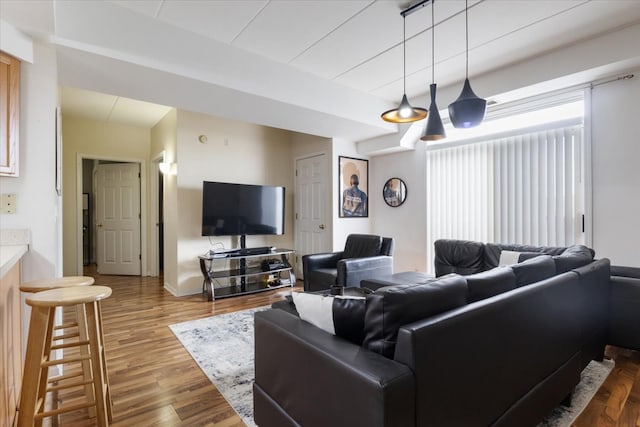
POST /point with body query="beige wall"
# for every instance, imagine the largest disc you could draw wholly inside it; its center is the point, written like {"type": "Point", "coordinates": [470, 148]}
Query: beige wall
{"type": "Point", "coordinates": [93, 139]}
{"type": "Point", "coordinates": [235, 152]}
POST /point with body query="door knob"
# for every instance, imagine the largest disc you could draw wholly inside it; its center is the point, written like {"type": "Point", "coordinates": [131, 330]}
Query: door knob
{"type": "Point", "coordinates": [321, 226]}
{"type": "Point", "coordinates": [99, 225]}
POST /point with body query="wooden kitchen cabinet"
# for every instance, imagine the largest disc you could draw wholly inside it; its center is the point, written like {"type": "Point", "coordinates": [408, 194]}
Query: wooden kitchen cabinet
{"type": "Point", "coordinates": [9, 114]}
{"type": "Point", "coordinates": [10, 345]}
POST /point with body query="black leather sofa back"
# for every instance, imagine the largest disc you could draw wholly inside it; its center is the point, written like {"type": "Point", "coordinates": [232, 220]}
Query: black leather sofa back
{"type": "Point", "coordinates": [594, 279]}
{"type": "Point", "coordinates": [489, 283]}
{"type": "Point", "coordinates": [468, 257]}
{"type": "Point", "coordinates": [492, 252]}
{"type": "Point", "coordinates": [391, 307]}
{"type": "Point", "coordinates": [464, 257]}
{"type": "Point", "coordinates": [624, 315]}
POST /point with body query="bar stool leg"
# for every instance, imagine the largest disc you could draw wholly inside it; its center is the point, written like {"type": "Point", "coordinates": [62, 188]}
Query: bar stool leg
{"type": "Point", "coordinates": [41, 328]}
{"type": "Point", "coordinates": [81, 320]}
{"type": "Point", "coordinates": [104, 362]}
{"type": "Point", "coordinates": [97, 363]}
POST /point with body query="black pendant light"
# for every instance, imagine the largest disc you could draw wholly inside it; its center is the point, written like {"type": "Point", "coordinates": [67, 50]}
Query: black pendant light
{"type": "Point", "coordinates": [435, 129]}
{"type": "Point", "coordinates": [405, 113]}
{"type": "Point", "coordinates": [468, 110]}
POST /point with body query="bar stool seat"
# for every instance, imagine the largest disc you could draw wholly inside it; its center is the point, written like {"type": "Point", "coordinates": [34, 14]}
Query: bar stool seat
{"type": "Point", "coordinates": [58, 282]}
{"type": "Point", "coordinates": [42, 341]}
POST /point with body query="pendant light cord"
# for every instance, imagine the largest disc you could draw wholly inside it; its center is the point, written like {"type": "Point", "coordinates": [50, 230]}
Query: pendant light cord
{"type": "Point", "coordinates": [404, 54]}
{"type": "Point", "coordinates": [433, 45]}
{"type": "Point", "coordinates": [466, 23]}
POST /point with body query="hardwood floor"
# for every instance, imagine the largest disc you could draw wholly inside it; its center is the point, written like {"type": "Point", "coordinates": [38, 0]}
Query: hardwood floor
{"type": "Point", "coordinates": [155, 382]}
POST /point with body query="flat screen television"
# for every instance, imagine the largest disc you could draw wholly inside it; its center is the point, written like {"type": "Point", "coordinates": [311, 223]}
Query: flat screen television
{"type": "Point", "coordinates": [241, 209]}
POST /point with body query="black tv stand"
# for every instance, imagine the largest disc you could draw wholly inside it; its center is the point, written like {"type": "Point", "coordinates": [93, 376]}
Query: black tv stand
{"type": "Point", "coordinates": [238, 278]}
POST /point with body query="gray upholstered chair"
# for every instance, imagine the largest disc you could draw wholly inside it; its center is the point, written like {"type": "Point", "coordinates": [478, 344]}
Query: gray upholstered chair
{"type": "Point", "coordinates": [364, 256]}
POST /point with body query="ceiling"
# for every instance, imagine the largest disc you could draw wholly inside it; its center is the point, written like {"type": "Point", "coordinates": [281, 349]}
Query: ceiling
{"type": "Point", "coordinates": [333, 64]}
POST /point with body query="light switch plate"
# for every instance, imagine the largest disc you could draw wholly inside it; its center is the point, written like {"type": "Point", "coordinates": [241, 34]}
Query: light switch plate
{"type": "Point", "coordinates": [8, 203]}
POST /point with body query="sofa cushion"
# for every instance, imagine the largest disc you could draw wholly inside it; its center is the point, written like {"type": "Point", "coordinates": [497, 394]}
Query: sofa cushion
{"type": "Point", "coordinates": [489, 283]}
{"type": "Point", "coordinates": [492, 252]}
{"type": "Point", "coordinates": [575, 256]}
{"type": "Point", "coordinates": [342, 316]}
{"type": "Point", "coordinates": [362, 245]}
{"type": "Point", "coordinates": [402, 278]}
{"type": "Point", "coordinates": [391, 307]}
{"type": "Point", "coordinates": [534, 270]}
{"type": "Point", "coordinates": [458, 256]}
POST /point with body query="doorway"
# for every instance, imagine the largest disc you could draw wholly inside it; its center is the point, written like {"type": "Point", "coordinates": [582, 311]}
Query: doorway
{"type": "Point", "coordinates": [135, 253]}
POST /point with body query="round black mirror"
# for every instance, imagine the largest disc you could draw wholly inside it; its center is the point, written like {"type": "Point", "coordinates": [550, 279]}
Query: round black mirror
{"type": "Point", "coordinates": [394, 192]}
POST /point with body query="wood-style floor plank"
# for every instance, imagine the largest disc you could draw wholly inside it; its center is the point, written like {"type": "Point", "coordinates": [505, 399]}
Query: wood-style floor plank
{"type": "Point", "coordinates": [155, 382]}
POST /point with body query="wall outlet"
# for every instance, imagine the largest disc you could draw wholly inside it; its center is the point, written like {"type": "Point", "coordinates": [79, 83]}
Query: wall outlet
{"type": "Point", "coordinates": [8, 203]}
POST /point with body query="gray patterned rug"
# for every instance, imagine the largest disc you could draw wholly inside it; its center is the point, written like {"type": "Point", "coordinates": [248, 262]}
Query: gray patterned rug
{"type": "Point", "coordinates": [222, 346]}
{"type": "Point", "coordinates": [591, 379]}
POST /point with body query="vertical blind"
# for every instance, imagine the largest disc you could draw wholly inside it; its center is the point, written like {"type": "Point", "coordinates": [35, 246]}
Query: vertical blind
{"type": "Point", "coordinates": [524, 189]}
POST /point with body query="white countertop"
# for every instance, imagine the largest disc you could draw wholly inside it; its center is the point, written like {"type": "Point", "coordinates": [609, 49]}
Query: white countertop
{"type": "Point", "coordinates": [10, 255]}
{"type": "Point", "coordinates": [14, 243]}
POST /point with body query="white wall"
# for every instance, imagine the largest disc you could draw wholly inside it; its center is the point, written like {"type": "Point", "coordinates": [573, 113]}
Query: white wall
{"type": "Point", "coordinates": [38, 205]}
{"type": "Point", "coordinates": [235, 152]}
{"type": "Point", "coordinates": [616, 171]}
{"type": "Point", "coordinates": [406, 223]}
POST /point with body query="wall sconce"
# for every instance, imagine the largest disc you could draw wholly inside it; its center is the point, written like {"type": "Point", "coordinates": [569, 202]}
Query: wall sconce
{"type": "Point", "coordinates": [168, 168]}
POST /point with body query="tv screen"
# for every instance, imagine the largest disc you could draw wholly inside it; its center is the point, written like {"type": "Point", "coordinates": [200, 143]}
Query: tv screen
{"type": "Point", "coordinates": [237, 209]}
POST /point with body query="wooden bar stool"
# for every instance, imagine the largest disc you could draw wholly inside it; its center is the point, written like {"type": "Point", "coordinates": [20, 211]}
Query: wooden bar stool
{"type": "Point", "coordinates": [41, 342]}
{"type": "Point", "coordinates": [80, 323]}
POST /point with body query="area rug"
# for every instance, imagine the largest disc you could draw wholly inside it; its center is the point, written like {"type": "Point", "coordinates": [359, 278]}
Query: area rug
{"type": "Point", "coordinates": [222, 346]}
{"type": "Point", "coordinates": [591, 379]}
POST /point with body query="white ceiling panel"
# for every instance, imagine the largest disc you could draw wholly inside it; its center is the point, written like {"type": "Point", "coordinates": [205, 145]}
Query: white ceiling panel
{"type": "Point", "coordinates": [221, 20]}
{"type": "Point", "coordinates": [376, 29]}
{"type": "Point", "coordinates": [145, 7]}
{"type": "Point", "coordinates": [284, 29]}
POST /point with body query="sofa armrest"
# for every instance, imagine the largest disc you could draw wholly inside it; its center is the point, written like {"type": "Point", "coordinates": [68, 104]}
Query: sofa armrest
{"type": "Point", "coordinates": [622, 271]}
{"type": "Point", "coordinates": [624, 312]}
{"type": "Point", "coordinates": [324, 260]}
{"type": "Point", "coordinates": [318, 379]}
{"type": "Point", "coordinates": [352, 271]}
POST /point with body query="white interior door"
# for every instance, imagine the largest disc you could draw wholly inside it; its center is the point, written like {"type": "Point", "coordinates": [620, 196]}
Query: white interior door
{"type": "Point", "coordinates": [118, 218]}
{"type": "Point", "coordinates": [312, 203]}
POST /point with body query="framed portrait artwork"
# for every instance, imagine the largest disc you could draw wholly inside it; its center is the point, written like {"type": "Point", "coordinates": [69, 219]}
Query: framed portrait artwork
{"type": "Point", "coordinates": [354, 187]}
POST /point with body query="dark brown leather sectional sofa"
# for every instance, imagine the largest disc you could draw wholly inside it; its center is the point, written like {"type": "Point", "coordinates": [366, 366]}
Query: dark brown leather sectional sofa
{"type": "Point", "coordinates": [500, 346]}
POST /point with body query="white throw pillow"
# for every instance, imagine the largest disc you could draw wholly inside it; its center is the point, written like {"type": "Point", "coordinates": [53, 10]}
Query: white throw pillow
{"type": "Point", "coordinates": [508, 258]}
{"type": "Point", "coordinates": [315, 309]}
{"type": "Point", "coordinates": [339, 315]}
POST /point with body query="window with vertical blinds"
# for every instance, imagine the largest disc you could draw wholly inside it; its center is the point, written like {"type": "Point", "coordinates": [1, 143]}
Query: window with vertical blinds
{"type": "Point", "coordinates": [523, 188]}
